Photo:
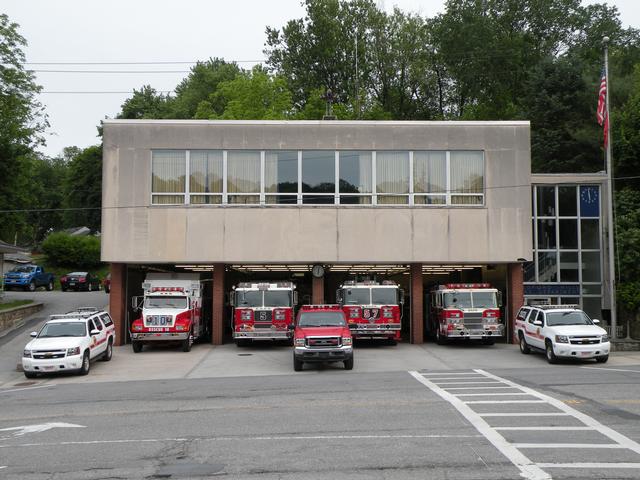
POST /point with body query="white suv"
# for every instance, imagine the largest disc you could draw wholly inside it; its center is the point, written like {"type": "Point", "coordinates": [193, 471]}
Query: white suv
{"type": "Point", "coordinates": [69, 342]}
{"type": "Point", "coordinates": [561, 331]}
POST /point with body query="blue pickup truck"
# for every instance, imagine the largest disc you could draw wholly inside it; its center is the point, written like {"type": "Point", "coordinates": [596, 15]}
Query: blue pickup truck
{"type": "Point", "coordinates": [28, 277]}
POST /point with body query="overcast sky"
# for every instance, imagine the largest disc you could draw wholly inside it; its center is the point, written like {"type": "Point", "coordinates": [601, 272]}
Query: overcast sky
{"type": "Point", "coordinates": [151, 31]}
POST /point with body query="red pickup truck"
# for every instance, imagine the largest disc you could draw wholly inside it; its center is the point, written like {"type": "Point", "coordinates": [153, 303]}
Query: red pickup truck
{"type": "Point", "coordinates": [321, 334]}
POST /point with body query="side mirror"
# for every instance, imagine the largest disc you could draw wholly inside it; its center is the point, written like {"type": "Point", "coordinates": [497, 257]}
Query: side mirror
{"type": "Point", "coordinates": [295, 298]}
{"type": "Point", "coordinates": [401, 299]}
{"type": "Point", "coordinates": [595, 320]}
{"type": "Point", "coordinates": [537, 322]}
{"type": "Point", "coordinates": [95, 332]}
{"type": "Point", "coordinates": [232, 299]}
{"type": "Point", "coordinates": [291, 326]}
{"type": "Point", "coordinates": [339, 296]}
{"type": "Point", "coordinates": [499, 299]}
{"type": "Point", "coordinates": [34, 334]}
{"type": "Point", "coordinates": [136, 303]}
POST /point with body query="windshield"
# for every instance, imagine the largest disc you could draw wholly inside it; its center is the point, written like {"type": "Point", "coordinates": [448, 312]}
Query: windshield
{"type": "Point", "coordinates": [60, 329]}
{"type": "Point", "coordinates": [165, 302]}
{"type": "Point", "coordinates": [567, 318]}
{"type": "Point", "coordinates": [384, 296]}
{"type": "Point", "coordinates": [277, 298]}
{"type": "Point", "coordinates": [322, 319]}
{"type": "Point", "coordinates": [484, 300]}
{"type": "Point", "coordinates": [249, 298]}
{"type": "Point", "coordinates": [357, 296]}
{"type": "Point", "coordinates": [457, 299]}
{"type": "Point", "coordinates": [470, 300]}
{"type": "Point", "coordinates": [23, 269]}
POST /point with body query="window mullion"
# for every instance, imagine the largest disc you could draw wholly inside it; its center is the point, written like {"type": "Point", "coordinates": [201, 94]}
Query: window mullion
{"type": "Point", "coordinates": [225, 197]}
{"type": "Point", "coordinates": [187, 187]}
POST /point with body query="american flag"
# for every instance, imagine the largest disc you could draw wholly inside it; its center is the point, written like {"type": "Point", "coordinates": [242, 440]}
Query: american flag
{"type": "Point", "coordinates": [601, 112]}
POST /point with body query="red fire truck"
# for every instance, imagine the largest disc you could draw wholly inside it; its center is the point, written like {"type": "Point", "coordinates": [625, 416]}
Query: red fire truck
{"type": "Point", "coordinates": [464, 310]}
{"type": "Point", "coordinates": [263, 311]}
{"type": "Point", "coordinates": [373, 309]}
{"type": "Point", "coordinates": [171, 310]}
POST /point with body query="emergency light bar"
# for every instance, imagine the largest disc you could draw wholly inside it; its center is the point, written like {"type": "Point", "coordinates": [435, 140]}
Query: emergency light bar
{"type": "Point", "coordinates": [558, 307]}
{"type": "Point", "coordinates": [167, 289]}
{"type": "Point", "coordinates": [321, 307]}
{"type": "Point", "coordinates": [467, 285]}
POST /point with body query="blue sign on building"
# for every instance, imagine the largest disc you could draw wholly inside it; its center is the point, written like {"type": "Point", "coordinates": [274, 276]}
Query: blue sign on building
{"type": "Point", "coordinates": [553, 290]}
{"type": "Point", "coordinates": [589, 201]}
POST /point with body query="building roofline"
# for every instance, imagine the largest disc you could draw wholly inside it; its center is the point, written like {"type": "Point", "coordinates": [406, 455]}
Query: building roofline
{"type": "Point", "coordinates": [513, 123]}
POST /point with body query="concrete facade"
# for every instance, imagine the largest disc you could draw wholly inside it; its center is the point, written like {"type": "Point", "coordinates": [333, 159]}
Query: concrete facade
{"type": "Point", "coordinates": [136, 231]}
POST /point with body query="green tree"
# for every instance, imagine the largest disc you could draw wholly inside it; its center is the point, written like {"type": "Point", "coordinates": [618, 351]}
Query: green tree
{"type": "Point", "coordinates": [83, 189]}
{"type": "Point", "coordinates": [626, 135]}
{"type": "Point", "coordinates": [22, 122]}
{"type": "Point", "coordinates": [146, 103]}
{"type": "Point", "coordinates": [47, 187]}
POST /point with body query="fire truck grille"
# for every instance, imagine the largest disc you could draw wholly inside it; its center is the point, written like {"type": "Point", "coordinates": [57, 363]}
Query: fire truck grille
{"type": "Point", "coordinates": [323, 342]}
{"type": "Point", "coordinates": [262, 316]}
{"type": "Point", "coordinates": [262, 325]}
{"type": "Point", "coordinates": [471, 319]}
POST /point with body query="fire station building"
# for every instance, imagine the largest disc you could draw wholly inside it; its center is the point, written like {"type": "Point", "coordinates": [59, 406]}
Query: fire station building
{"type": "Point", "coordinates": [420, 203]}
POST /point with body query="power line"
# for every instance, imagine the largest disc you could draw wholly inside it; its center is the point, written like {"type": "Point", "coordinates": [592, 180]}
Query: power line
{"type": "Point", "coordinates": [138, 63]}
{"type": "Point", "coordinates": [127, 92]}
{"type": "Point", "coordinates": [108, 71]}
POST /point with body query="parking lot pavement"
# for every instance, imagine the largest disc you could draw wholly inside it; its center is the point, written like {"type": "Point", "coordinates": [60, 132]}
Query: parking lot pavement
{"type": "Point", "coordinates": [208, 361]}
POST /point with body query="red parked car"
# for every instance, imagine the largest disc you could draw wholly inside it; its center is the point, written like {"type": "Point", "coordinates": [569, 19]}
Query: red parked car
{"type": "Point", "coordinates": [321, 334]}
{"type": "Point", "coordinates": [79, 281]}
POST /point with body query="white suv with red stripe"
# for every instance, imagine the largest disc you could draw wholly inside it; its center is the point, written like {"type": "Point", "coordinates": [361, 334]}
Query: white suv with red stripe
{"type": "Point", "coordinates": [561, 331]}
{"type": "Point", "coordinates": [70, 342]}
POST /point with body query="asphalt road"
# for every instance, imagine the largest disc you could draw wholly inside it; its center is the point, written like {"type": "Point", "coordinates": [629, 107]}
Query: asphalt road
{"type": "Point", "coordinates": [415, 412]}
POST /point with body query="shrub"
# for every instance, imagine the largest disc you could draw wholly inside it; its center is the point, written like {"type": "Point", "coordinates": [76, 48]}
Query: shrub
{"type": "Point", "coordinates": [64, 249]}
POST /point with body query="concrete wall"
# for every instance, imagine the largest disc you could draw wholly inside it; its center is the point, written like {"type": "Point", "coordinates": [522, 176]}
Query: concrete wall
{"type": "Point", "coordinates": [135, 231]}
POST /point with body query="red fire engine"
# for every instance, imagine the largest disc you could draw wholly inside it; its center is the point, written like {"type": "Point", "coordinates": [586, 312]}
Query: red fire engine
{"type": "Point", "coordinates": [373, 309]}
{"type": "Point", "coordinates": [464, 310]}
{"type": "Point", "coordinates": [263, 311]}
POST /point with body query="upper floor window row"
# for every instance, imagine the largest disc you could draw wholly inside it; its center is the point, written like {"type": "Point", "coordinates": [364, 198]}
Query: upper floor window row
{"type": "Point", "coordinates": [317, 177]}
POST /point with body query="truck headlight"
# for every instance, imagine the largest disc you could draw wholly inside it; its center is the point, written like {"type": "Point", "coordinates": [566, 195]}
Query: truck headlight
{"type": "Point", "coordinates": [347, 341]}
{"type": "Point", "coordinates": [26, 353]}
{"type": "Point", "coordinates": [562, 339]}
{"type": "Point", "coordinates": [604, 338]}
{"type": "Point", "coordinates": [73, 351]}
{"type": "Point", "coordinates": [299, 342]}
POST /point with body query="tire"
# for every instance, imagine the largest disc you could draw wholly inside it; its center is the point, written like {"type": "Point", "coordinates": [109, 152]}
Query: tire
{"type": "Point", "coordinates": [243, 342]}
{"type": "Point", "coordinates": [108, 353]}
{"type": "Point", "coordinates": [30, 374]}
{"type": "Point", "coordinates": [107, 289]}
{"type": "Point", "coordinates": [602, 359]}
{"type": "Point", "coordinates": [524, 348]}
{"type": "Point", "coordinates": [440, 340]}
{"type": "Point", "coordinates": [89, 287]}
{"type": "Point", "coordinates": [488, 341]}
{"type": "Point", "coordinates": [186, 344]}
{"type": "Point", "coordinates": [86, 364]}
{"type": "Point", "coordinates": [32, 286]}
{"type": "Point", "coordinates": [64, 289]}
{"type": "Point", "coordinates": [297, 364]}
{"type": "Point", "coordinates": [392, 341]}
{"type": "Point", "coordinates": [348, 364]}
{"type": "Point", "coordinates": [50, 286]}
{"type": "Point", "coordinates": [137, 346]}
{"type": "Point", "coordinates": [551, 357]}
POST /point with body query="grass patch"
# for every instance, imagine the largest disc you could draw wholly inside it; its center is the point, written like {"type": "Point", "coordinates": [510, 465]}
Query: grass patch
{"type": "Point", "coordinates": [14, 303]}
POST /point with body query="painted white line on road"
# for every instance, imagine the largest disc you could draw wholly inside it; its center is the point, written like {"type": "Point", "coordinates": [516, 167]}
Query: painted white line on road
{"type": "Point", "coordinates": [475, 388]}
{"type": "Point", "coordinates": [590, 465]}
{"type": "Point", "coordinates": [488, 402]}
{"type": "Point", "coordinates": [26, 388]}
{"type": "Point", "coordinates": [544, 429]}
{"type": "Point", "coordinates": [612, 369]}
{"type": "Point", "coordinates": [3, 467]}
{"type": "Point", "coordinates": [463, 383]}
{"type": "Point", "coordinates": [427, 375]}
{"type": "Point", "coordinates": [586, 419]}
{"type": "Point", "coordinates": [242, 439]}
{"type": "Point", "coordinates": [568, 445]}
{"type": "Point", "coordinates": [533, 414]}
{"type": "Point", "coordinates": [527, 468]}
{"type": "Point", "coordinates": [489, 394]}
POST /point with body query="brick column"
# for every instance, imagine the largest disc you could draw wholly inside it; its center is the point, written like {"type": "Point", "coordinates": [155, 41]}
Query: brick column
{"type": "Point", "coordinates": [217, 320]}
{"type": "Point", "coordinates": [515, 298]}
{"type": "Point", "coordinates": [317, 290]}
{"type": "Point", "coordinates": [118, 300]}
{"type": "Point", "coordinates": [417, 312]}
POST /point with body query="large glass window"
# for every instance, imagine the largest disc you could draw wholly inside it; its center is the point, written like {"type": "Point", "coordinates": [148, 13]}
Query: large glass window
{"type": "Point", "coordinates": [546, 234]}
{"type": "Point", "coordinates": [430, 177]}
{"type": "Point", "coordinates": [567, 201]}
{"type": "Point", "coordinates": [547, 267]}
{"type": "Point", "coordinates": [590, 234]}
{"type": "Point", "coordinates": [392, 177]}
{"type": "Point", "coordinates": [355, 177]}
{"type": "Point", "coordinates": [281, 177]}
{"type": "Point", "coordinates": [168, 172]}
{"type": "Point", "coordinates": [205, 176]}
{"type": "Point", "coordinates": [568, 234]}
{"type": "Point", "coordinates": [546, 204]}
{"type": "Point", "coordinates": [569, 267]}
{"type": "Point", "coordinates": [243, 176]}
{"type": "Point", "coordinates": [590, 266]}
{"type": "Point", "coordinates": [467, 178]}
{"type": "Point", "coordinates": [318, 176]}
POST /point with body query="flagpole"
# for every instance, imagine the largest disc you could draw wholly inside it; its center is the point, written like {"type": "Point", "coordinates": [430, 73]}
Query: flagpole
{"type": "Point", "coordinates": [612, 264]}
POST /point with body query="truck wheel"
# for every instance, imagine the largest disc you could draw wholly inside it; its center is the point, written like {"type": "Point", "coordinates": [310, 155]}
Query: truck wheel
{"type": "Point", "coordinates": [89, 287]}
{"type": "Point", "coordinates": [551, 357]}
{"type": "Point", "coordinates": [86, 364]}
{"type": "Point", "coordinates": [108, 353]}
{"type": "Point", "coordinates": [488, 341]}
{"type": "Point", "coordinates": [297, 364]}
{"type": "Point", "coordinates": [137, 346]}
{"type": "Point", "coordinates": [30, 374]}
{"type": "Point", "coordinates": [186, 344]}
{"type": "Point", "coordinates": [440, 340]}
{"type": "Point", "coordinates": [524, 348]}
{"type": "Point", "coordinates": [348, 364]}
{"type": "Point", "coordinates": [602, 359]}
{"type": "Point", "coordinates": [392, 341]}
{"type": "Point", "coordinates": [64, 289]}
{"type": "Point", "coordinates": [50, 285]}
{"type": "Point", "coordinates": [32, 286]}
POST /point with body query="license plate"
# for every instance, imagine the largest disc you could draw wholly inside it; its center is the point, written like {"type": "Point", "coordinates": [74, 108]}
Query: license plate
{"type": "Point", "coordinates": [158, 329]}
{"type": "Point", "coordinates": [48, 368]}
{"type": "Point", "coordinates": [72, 283]}
{"type": "Point", "coordinates": [585, 354]}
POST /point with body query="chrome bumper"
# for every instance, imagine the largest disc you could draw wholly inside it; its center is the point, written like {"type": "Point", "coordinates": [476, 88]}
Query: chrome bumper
{"type": "Point", "coordinates": [159, 336]}
{"type": "Point", "coordinates": [323, 354]}
{"type": "Point", "coordinates": [267, 335]}
{"type": "Point", "coordinates": [476, 333]}
{"type": "Point", "coordinates": [582, 351]}
{"type": "Point", "coordinates": [44, 365]}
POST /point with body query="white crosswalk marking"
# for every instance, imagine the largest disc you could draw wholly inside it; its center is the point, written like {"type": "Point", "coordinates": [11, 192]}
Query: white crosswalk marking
{"type": "Point", "coordinates": [529, 469]}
